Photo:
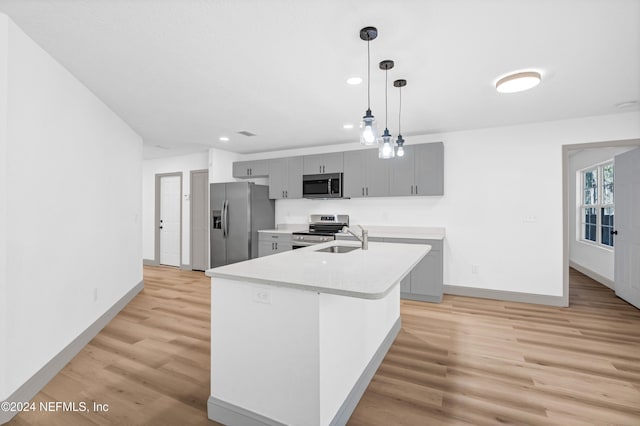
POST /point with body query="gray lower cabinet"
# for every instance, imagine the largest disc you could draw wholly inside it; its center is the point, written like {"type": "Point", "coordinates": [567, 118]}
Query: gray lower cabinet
{"type": "Point", "coordinates": [285, 178]}
{"type": "Point", "coordinates": [424, 283]}
{"type": "Point", "coordinates": [419, 172]}
{"type": "Point", "coordinates": [365, 175]}
{"type": "Point", "coordinates": [323, 163]}
{"type": "Point", "coordinates": [248, 169]}
{"type": "Point", "coordinates": [271, 243]}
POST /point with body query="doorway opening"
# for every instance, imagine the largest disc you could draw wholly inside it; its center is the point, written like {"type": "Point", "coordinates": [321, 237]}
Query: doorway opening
{"type": "Point", "coordinates": [593, 260]}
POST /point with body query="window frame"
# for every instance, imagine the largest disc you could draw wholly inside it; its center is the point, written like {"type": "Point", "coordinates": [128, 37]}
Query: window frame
{"type": "Point", "coordinates": [599, 205]}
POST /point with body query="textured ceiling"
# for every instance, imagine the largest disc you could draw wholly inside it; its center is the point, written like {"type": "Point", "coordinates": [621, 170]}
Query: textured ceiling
{"type": "Point", "coordinates": [183, 73]}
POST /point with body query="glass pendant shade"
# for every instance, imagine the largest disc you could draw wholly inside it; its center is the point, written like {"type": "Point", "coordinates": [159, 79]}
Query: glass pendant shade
{"type": "Point", "coordinates": [385, 146]}
{"type": "Point", "coordinates": [368, 129]}
{"type": "Point", "coordinates": [400, 143]}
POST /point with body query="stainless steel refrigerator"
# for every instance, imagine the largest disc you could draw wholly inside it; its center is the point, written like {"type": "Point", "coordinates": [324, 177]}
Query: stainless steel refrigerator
{"type": "Point", "coordinates": [238, 211]}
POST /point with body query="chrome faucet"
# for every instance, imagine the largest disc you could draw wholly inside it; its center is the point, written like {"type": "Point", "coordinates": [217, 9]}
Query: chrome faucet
{"type": "Point", "coordinates": [364, 239]}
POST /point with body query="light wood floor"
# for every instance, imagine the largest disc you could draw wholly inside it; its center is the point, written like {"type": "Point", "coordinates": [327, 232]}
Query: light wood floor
{"type": "Point", "coordinates": [464, 361]}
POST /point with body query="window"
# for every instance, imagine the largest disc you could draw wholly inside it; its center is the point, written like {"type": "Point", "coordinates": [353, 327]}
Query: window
{"type": "Point", "coordinates": [597, 205]}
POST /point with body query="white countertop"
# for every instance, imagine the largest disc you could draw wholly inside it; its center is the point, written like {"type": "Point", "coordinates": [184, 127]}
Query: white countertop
{"type": "Point", "coordinates": [416, 232]}
{"type": "Point", "coordinates": [287, 228]}
{"type": "Point", "coordinates": [366, 274]}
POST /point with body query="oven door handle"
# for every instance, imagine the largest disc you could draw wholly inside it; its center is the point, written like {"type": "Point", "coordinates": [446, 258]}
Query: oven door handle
{"type": "Point", "coordinates": [303, 244]}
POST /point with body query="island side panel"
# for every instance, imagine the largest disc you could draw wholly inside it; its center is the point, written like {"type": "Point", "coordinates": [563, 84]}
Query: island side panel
{"type": "Point", "coordinates": [351, 332]}
{"type": "Point", "coordinates": [264, 350]}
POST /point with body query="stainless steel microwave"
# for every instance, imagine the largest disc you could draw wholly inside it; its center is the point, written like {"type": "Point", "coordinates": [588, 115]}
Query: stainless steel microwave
{"type": "Point", "coordinates": [327, 185]}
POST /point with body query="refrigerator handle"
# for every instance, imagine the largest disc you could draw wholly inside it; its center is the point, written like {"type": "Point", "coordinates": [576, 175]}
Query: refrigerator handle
{"type": "Point", "coordinates": [225, 209]}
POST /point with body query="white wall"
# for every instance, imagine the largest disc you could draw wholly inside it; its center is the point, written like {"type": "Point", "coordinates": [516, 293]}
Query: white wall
{"type": "Point", "coordinates": [73, 225]}
{"type": "Point", "coordinates": [3, 206]}
{"type": "Point", "coordinates": [502, 207]}
{"type": "Point", "coordinates": [589, 256]}
{"type": "Point", "coordinates": [184, 164]}
{"type": "Point", "coordinates": [221, 165]}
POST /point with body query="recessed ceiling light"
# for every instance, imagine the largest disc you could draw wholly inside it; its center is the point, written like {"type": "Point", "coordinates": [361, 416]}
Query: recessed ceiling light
{"type": "Point", "coordinates": [518, 82]}
{"type": "Point", "coordinates": [348, 126]}
{"type": "Point", "coordinates": [354, 80]}
{"type": "Point", "coordinates": [224, 139]}
{"type": "Point", "coordinates": [627, 104]}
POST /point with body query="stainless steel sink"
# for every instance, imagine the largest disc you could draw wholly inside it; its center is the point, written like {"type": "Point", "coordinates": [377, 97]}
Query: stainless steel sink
{"type": "Point", "coordinates": [338, 249]}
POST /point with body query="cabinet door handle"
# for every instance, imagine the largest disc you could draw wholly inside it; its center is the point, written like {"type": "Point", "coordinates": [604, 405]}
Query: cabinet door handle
{"type": "Point", "coordinates": [322, 169]}
{"type": "Point", "coordinates": [411, 189]}
{"type": "Point", "coordinates": [416, 189]}
{"type": "Point", "coordinates": [276, 246]}
{"type": "Point", "coordinates": [319, 169]}
{"type": "Point", "coordinates": [286, 194]}
{"type": "Point", "coordinates": [363, 191]}
{"type": "Point", "coordinates": [367, 191]}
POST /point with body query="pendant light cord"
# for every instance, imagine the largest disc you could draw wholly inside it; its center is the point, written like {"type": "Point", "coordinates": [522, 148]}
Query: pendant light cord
{"type": "Point", "coordinates": [368, 76]}
{"type": "Point", "coordinates": [386, 108]}
{"type": "Point", "coordinates": [400, 113]}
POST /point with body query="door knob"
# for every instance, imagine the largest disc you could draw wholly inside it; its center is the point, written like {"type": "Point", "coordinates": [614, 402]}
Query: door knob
{"type": "Point", "coordinates": [160, 227]}
{"type": "Point", "coordinates": [614, 232]}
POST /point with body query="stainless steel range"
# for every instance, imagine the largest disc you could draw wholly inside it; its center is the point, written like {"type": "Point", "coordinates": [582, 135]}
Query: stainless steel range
{"type": "Point", "coordinates": [322, 228]}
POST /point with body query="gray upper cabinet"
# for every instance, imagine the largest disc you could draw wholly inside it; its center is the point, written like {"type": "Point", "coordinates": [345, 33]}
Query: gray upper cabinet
{"type": "Point", "coordinates": [285, 178]}
{"type": "Point", "coordinates": [323, 163]}
{"type": "Point", "coordinates": [429, 169]}
{"type": "Point", "coordinates": [365, 175]}
{"type": "Point", "coordinates": [354, 174]}
{"type": "Point", "coordinates": [401, 173]}
{"type": "Point", "coordinates": [419, 172]}
{"type": "Point", "coordinates": [249, 169]}
{"type": "Point", "coordinates": [377, 183]}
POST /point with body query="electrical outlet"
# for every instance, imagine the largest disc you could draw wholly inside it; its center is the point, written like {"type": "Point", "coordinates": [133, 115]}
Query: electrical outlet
{"type": "Point", "coordinates": [262, 296]}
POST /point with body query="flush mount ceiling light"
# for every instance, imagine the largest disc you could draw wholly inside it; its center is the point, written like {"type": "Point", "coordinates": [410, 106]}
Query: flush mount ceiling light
{"type": "Point", "coordinates": [400, 141]}
{"type": "Point", "coordinates": [368, 129]}
{"type": "Point", "coordinates": [347, 126]}
{"type": "Point", "coordinates": [385, 144]}
{"type": "Point", "coordinates": [518, 82]}
{"type": "Point", "coordinates": [354, 81]}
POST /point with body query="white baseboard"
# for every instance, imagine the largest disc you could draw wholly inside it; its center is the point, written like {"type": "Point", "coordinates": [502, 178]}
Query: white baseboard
{"type": "Point", "coordinates": [509, 296]}
{"type": "Point", "coordinates": [39, 380]}
{"type": "Point", "coordinates": [593, 275]}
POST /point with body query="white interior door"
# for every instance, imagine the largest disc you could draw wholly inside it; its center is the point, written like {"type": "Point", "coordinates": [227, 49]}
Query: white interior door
{"type": "Point", "coordinates": [170, 220]}
{"type": "Point", "coordinates": [627, 224]}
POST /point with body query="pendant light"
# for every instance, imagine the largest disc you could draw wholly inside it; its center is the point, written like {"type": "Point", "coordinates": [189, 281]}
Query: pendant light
{"type": "Point", "coordinates": [368, 128]}
{"type": "Point", "coordinates": [385, 144]}
{"type": "Point", "coordinates": [400, 141]}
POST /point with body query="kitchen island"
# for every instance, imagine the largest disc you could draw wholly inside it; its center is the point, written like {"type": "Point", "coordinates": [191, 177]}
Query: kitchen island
{"type": "Point", "coordinates": [297, 336]}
